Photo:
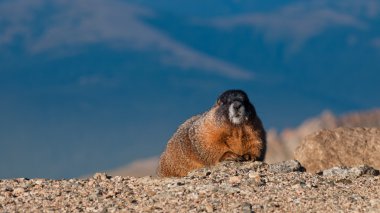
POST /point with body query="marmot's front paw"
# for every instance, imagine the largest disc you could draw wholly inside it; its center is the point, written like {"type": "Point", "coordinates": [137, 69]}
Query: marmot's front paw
{"type": "Point", "coordinates": [247, 157]}
{"type": "Point", "coordinates": [230, 156]}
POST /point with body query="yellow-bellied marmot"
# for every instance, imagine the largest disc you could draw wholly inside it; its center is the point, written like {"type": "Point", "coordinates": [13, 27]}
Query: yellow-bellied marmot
{"type": "Point", "coordinates": [230, 130]}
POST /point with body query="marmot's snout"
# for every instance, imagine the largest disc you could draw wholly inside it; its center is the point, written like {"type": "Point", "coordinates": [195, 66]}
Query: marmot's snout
{"type": "Point", "coordinates": [237, 112]}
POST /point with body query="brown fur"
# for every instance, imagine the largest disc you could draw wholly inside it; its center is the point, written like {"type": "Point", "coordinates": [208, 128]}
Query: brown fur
{"type": "Point", "coordinates": [204, 141]}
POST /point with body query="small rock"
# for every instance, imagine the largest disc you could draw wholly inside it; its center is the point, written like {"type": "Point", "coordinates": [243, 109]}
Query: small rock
{"type": "Point", "coordinates": [336, 171]}
{"type": "Point", "coordinates": [246, 208]}
{"type": "Point", "coordinates": [110, 194]}
{"type": "Point", "coordinates": [194, 196]}
{"type": "Point", "coordinates": [8, 189]}
{"type": "Point", "coordinates": [296, 186]}
{"type": "Point", "coordinates": [209, 208]}
{"type": "Point", "coordinates": [91, 209]}
{"type": "Point", "coordinates": [101, 176]}
{"type": "Point", "coordinates": [286, 167]}
{"type": "Point", "coordinates": [91, 182]}
{"type": "Point", "coordinates": [18, 191]}
{"type": "Point", "coordinates": [364, 170]}
{"type": "Point", "coordinates": [254, 175]}
{"type": "Point", "coordinates": [38, 181]}
{"type": "Point", "coordinates": [133, 201]}
{"type": "Point", "coordinates": [117, 178]}
{"type": "Point", "coordinates": [150, 193]}
{"type": "Point", "coordinates": [234, 180]}
{"type": "Point", "coordinates": [344, 172]}
{"type": "Point", "coordinates": [344, 181]}
{"type": "Point", "coordinates": [375, 202]}
{"type": "Point", "coordinates": [98, 192]}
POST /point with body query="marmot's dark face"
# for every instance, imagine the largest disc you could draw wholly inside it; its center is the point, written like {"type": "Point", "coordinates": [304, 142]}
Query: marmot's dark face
{"type": "Point", "coordinates": [233, 106]}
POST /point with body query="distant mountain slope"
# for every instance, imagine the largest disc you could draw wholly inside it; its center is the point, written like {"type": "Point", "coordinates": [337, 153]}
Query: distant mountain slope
{"type": "Point", "coordinates": [138, 168]}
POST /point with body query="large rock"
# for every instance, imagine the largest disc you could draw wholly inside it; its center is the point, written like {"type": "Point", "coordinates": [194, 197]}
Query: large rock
{"type": "Point", "coordinates": [281, 145]}
{"type": "Point", "coordinates": [340, 147]}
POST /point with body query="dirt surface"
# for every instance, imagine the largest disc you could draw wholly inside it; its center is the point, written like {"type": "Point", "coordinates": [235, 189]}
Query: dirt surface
{"type": "Point", "coordinates": [228, 187]}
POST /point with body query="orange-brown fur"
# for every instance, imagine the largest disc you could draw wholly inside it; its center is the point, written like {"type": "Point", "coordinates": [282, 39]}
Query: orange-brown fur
{"type": "Point", "coordinates": [202, 141]}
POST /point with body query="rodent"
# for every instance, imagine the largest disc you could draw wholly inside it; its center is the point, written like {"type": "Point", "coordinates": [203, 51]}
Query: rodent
{"type": "Point", "coordinates": [230, 130]}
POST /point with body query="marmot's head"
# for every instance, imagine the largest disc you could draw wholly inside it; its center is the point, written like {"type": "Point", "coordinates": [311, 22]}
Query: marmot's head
{"type": "Point", "coordinates": [233, 106]}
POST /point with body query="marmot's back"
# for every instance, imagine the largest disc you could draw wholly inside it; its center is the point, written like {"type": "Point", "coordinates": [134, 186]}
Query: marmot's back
{"type": "Point", "coordinates": [230, 130]}
{"type": "Point", "coordinates": [178, 154]}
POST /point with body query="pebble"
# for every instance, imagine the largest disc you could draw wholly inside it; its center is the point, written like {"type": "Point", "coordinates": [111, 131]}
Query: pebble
{"type": "Point", "coordinates": [99, 176]}
{"type": "Point", "coordinates": [38, 181]}
{"type": "Point", "coordinates": [246, 208]}
{"type": "Point", "coordinates": [18, 191]}
{"type": "Point", "coordinates": [286, 167]}
{"type": "Point", "coordinates": [235, 180]}
{"type": "Point", "coordinates": [344, 172]}
{"type": "Point", "coordinates": [209, 208]}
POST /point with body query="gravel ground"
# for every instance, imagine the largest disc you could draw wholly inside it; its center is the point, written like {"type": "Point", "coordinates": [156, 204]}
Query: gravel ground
{"type": "Point", "coordinates": [228, 187]}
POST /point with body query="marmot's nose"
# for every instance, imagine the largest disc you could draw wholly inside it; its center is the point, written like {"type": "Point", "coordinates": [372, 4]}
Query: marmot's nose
{"type": "Point", "coordinates": [236, 105]}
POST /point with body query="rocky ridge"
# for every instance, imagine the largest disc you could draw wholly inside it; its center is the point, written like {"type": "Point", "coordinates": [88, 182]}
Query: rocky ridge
{"type": "Point", "coordinates": [343, 146]}
{"type": "Point", "coordinates": [282, 145]}
{"type": "Point", "coordinates": [227, 187]}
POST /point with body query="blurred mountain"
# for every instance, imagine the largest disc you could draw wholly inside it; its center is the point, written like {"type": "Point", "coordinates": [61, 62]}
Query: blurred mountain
{"type": "Point", "coordinates": [138, 168]}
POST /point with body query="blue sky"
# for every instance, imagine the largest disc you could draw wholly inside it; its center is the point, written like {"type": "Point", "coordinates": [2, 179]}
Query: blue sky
{"type": "Point", "coordinates": [88, 85]}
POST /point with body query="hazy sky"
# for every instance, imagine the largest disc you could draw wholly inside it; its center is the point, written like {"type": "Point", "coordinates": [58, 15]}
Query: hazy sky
{"type": "Point", "coordinates": [91, 85]}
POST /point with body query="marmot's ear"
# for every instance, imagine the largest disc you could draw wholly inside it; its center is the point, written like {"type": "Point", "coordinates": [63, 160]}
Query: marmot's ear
{"type": "Point", "coordinates": [218, 102]}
